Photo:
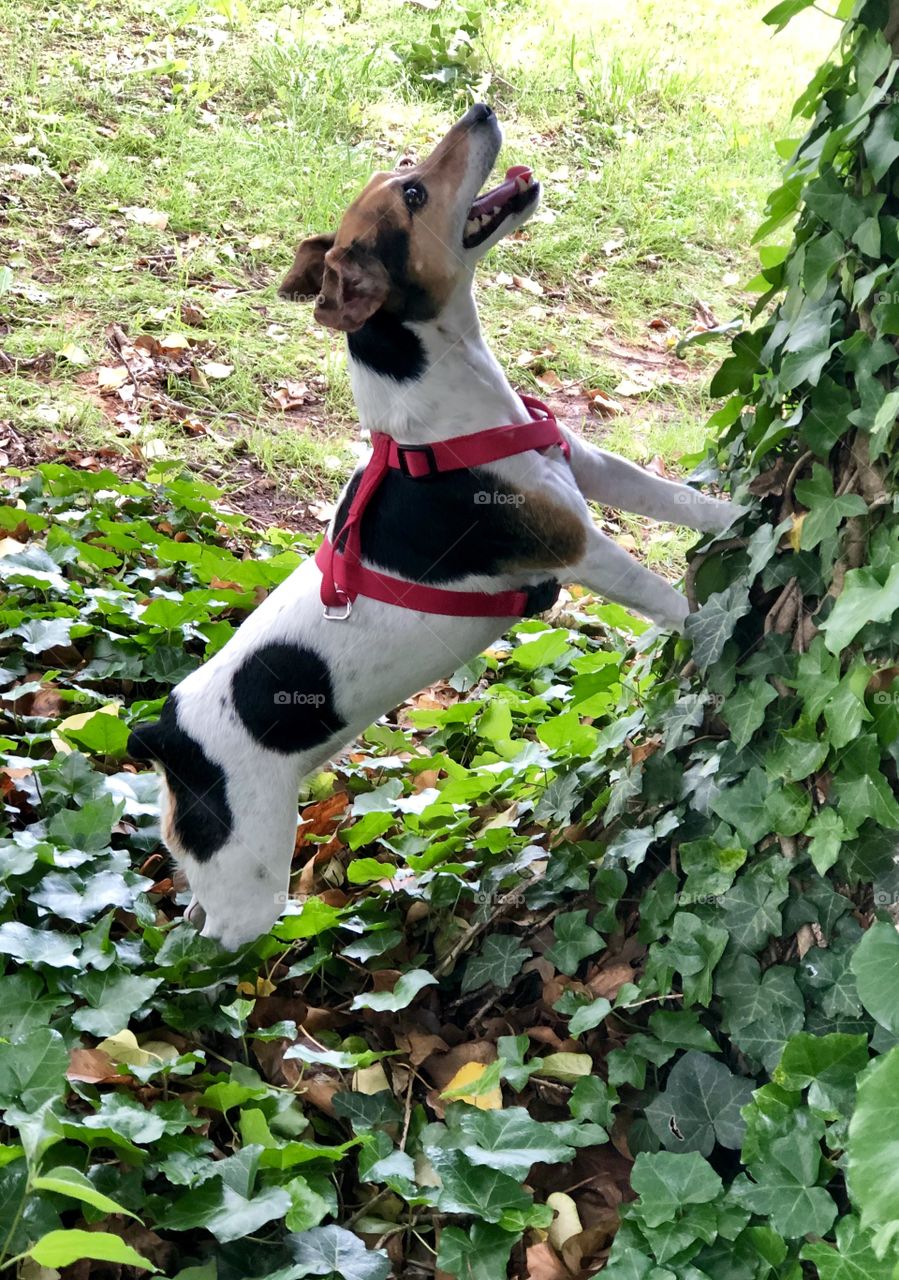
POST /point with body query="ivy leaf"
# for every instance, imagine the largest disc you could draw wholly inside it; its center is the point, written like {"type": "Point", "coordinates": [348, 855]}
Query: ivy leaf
{"type": "Point", "coordinates": [588, 1016]}
{"type": "Point", "coordinates": [575, 940]}
{"type": "Point", "coordinates": [828, 832]}
{"type": "Point", "coordinates": [481, 1254]}
{"type": "Point", "coordinates": [226, 1213]}
{"type": "Point", "coordinates": [786, 1174]}
{"type": "Point", "coordinates": [744, 710]}
{"type": "Point", "coordinates": [66, 1181]}
{"type": "Point", "coordinates": [852, 1258]}
{"type": "Point", "coordinates": [867, 796]}
{"type": "Point", "coordinates": [475, 1189]}
{"type": "Point", "coordinates": [509, 1140]}
{"type": "Point", "coordinates": [62, 1248]}
{"type": "Point", "coordinates": [752, 908]}
{"type": "Point", "coordinates": [113, 997]}
{"type": "Point", "coordinates": [863, 599]}
{"type": "Point", "coordinates": [875, 963]}
{"type": "Point", "coordinates": [712, 627]}
{"type": "Point", "coordinates": [499, 961]}
{"type": "Point", "coordinates": [25, 1004]}
{"type": "Point", "coordinates": [781, 14]}
{"type": "Point", "coordinates": [882, 143]}
{"type": "Point", "coordinates": [37, 946]}
{"type": "Point", "coordinates": [332, 1249]}
{"type": "Point", "coordinates": [827, 510]}
{"type": "Point", "coordinates": [699, 1106]}
{"type": "Point", "coordinates": [874, 1143]}
{"type": "Point", "coordinates": [694, 949]}
{"type": "Point", "coordinates": [33, 1071]}
{"type": "Point", "coordinates": [407, 988]}
{"type": "Point", "coordinates": [88, 828]}
{"type": "Point", "coordinates": [666, 1181]}
{"type": "Point", "coordinates": [828, 1063]}
{"type": "Point", "coordinates": [78, 898]}
{"type": "Point", "coordinates": [744, 806]}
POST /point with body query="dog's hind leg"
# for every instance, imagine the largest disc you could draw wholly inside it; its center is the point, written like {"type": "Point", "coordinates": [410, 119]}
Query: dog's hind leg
{"type": "Point", "coordinates": [613, 573]}
{"type": "Point", "coordinates": [604, 477]}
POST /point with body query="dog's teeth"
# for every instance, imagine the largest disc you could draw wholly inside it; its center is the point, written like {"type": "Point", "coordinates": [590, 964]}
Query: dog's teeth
{"type": "Point", "coordinates": [522, 183]}
{"type": "Point", "coordinates": [492, 212]}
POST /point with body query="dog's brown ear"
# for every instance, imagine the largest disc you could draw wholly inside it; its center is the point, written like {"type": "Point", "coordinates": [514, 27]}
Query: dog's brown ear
{"type": "Point", "coordinates": [304, 279]}
{"type": "Point", "coordinates": [355, 284]}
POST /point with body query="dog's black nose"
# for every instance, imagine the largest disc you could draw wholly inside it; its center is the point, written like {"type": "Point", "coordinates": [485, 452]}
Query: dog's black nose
{"type": "Point", "coordinates": [478, 114]}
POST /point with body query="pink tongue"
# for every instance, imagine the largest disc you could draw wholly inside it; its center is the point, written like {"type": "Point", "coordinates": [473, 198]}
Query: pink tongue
{"type": "Point", "coordinates": [505, 191]}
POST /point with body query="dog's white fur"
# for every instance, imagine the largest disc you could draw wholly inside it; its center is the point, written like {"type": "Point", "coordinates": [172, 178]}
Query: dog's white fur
{"type": "Point", "coordinates": [380, 655]}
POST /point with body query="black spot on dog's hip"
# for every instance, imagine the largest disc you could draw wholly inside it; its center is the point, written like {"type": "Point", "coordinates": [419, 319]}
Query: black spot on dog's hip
{"type": "Point", "coordinates": [199, 813]}
{"type": "Point", "coordinates": [283, 695]}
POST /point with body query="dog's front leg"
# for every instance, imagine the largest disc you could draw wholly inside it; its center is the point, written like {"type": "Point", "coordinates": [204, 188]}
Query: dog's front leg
{"type": "Point", "coordinates": [604, 477]}
{"type": "Point", "coordinates": [240, 889]}
{"type": "Point", "coordinates": [613, 573]}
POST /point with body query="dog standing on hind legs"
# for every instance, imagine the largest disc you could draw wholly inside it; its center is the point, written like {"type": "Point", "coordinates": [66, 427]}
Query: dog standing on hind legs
{"type": "Point", "coordinates": [471, 513]}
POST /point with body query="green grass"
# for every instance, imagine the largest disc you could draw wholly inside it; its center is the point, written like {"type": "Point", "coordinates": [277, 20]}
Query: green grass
{"type": "Point", "coordinates": [252, 125]}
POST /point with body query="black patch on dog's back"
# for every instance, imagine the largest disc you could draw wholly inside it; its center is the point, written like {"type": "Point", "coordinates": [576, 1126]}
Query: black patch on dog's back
{"type": "Point", "coordinates": [283, 695]}
{"type": "Point", "coordinates": [443, 528]}
{"type": "Point", "coordinates": [201, 814]}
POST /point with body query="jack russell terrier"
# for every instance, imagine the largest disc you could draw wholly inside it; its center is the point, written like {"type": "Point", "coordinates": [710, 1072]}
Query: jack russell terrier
{"type": "Point", "coordinates": [470, 514]}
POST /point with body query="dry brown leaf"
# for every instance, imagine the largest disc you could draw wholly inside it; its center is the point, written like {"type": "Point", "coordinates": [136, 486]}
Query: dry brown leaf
{"type": "Point", "coordinates": [628, 387]}
{"type": "Point", "coordinates": [192, 314]}
{"type": "Point", "coordinates": [545, 1264]}
{"type": "Point", "coordinates": [146, 217]}
{"type": "Point", "coordinates": [528, 285]}
{"type": "Point", "coordinates": [74, 354]}
{"type": "Point", "coordinates": [292, 395]}
{"type": "Point", "coordinates": [92, 1066]}
{"type": "Point", "coordinates": [175, 342]}
{"type": "Point", "coordinates": [608, 982]}
{"type": "Point", "coordinates": [110, 379]}
{"type": "Point", "coordinates": [213, 369]}
{"type": "Point", "coordinates": [549, 381]}
{"type": "Point", "coordinates": [260, 242]}
{"type": "Point", "coordinates": [603, 404]}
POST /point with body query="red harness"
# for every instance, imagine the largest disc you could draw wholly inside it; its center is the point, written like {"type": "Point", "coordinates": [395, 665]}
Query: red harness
{"type": "Point", "coordinates": [344, 576]}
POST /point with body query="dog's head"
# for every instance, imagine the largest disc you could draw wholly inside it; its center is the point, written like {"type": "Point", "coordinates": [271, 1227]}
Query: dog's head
{"type": "Point", "coordinates": [412, 235]}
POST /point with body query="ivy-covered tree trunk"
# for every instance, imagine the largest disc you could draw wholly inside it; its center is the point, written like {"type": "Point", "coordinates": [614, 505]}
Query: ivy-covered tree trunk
{"type": "Point", "coordinates": [767, 774]}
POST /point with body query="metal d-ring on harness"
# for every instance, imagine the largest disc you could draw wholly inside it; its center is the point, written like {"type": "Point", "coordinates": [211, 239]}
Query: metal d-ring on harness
{"type": "Point", "coordinates": [344, 576]}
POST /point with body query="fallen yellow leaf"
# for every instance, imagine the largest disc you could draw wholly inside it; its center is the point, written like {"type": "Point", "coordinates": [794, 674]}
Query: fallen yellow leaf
{"type": "Point", "coordinates": [78, 722]}
{"type": "Point", "coordinates": [469, 1074]}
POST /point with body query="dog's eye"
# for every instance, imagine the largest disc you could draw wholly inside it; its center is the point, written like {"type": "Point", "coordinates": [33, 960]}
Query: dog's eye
{"type": "Point", "coordinates": [415, 195]}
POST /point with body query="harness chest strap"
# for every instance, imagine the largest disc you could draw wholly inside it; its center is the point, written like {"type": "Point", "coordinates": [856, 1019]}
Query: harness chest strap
{"type": "Point", "coordinates": [344, 576]}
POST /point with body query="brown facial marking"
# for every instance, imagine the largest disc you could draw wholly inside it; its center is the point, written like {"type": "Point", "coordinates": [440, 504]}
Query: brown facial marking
{"type": "Point", "coordinates": [167, 825]}
{"type": "Point", "coordinates": [347, 272]}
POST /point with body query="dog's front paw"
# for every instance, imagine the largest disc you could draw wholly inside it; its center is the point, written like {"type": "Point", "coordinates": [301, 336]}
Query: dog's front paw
{"type": "Point", "coordinates": [718, 516]}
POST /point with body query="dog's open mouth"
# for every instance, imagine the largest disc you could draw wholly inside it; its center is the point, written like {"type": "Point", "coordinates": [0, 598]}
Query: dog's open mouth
{"type": "Point", "coordinates": [517, 190]}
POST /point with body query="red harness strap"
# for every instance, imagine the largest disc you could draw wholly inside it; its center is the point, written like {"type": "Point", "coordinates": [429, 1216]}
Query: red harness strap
{"type": "Point", "coordinates": [344, 576]}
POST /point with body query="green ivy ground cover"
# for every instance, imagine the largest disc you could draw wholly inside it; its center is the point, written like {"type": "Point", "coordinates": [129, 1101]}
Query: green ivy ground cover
{"type": "Point", "coordinates": [591, 965]}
